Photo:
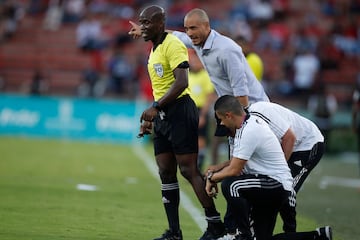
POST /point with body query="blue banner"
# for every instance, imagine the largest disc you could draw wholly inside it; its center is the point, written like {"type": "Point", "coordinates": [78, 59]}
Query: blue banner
{"type": "Point", "coordinates": [86, 119]}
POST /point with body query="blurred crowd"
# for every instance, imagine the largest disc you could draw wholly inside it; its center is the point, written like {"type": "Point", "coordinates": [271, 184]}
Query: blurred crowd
{"type": "Point", "coordinates": [297, 39]}
{"type": "Point", "coordinates": [11, 13]}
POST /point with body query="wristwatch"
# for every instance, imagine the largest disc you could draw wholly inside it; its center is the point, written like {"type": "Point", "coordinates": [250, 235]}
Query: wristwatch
{"type": "Point", "coordinates": [209, 175]}
{"type": "Point", "coordinates": [156, 105]}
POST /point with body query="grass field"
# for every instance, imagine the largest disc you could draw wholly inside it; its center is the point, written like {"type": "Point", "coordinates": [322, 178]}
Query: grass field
{"type": "Point", "coordinates": [44, 189]}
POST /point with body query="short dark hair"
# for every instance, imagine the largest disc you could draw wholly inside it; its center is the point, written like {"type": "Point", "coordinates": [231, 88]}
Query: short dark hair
{"type": "Point", "coordinates": [228, 103]}
{"type": "Point", "coordinates": [155, 12]}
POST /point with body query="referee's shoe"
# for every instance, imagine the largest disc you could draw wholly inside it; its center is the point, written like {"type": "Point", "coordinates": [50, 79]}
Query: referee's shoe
{"type": "Point", "coordinates": [171, 235]}
{"type": "Point", "coordinates": [325, 233]}
{"type": "Point", "coordinates": [214, 231]}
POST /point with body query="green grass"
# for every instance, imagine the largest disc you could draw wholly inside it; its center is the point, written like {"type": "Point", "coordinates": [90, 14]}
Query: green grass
{"type": "Point", "coordinates": [39, 198]}
{"type": "Point", "coordinates": [347, 143]}
{"type": "Point", "coordinates": [335, 205]}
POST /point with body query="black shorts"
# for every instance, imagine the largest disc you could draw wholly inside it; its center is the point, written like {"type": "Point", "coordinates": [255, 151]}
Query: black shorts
{"type": "Point", "coordinates": [177, 130]}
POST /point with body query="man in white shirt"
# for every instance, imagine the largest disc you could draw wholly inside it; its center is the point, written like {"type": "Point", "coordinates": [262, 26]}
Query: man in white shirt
{"type": "Point", "coordinates": [256, 180]}
{"type": "Point", "coordinates": [306, 67]}
{"type": "Point", "coordinates": [302, 144]}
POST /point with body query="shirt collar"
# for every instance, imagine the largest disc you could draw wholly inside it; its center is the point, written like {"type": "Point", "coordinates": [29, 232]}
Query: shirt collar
{"type": "Point", "coordinates": [246, 117]}
{"type": "Point", "coordinates": [161, 40]}
{"type": "Point", "coordinates": [209, 42]}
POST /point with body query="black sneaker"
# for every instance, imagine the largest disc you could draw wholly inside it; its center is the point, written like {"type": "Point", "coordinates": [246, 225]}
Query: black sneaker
{"type": "Point", "coordinates": [325, 233]}
{"type": "Point", "coordinates": [170, 235]}
{"type": "Point", "coordinates": [214, 231]}
{"type": "Point", "coordinates": [242, 237]}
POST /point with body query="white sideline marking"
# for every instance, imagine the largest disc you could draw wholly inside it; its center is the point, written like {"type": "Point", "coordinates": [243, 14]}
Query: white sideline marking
{"type": "Point", "coordinates": [185, 202]}
{"type": "Point", "coordinates": [86, 187]}
{"type": "Point", "coordinates": [338, 181]}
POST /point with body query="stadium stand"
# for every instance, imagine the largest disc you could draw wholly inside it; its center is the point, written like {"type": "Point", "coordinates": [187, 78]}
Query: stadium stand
{"type": "Point", "coordinates": [35, 48]}
{"type": "Point", "coordinates": [284, 24]}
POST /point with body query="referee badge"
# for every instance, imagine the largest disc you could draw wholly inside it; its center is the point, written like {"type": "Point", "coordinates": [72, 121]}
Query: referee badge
{"type": "Point", "coordinates": [159, 69]}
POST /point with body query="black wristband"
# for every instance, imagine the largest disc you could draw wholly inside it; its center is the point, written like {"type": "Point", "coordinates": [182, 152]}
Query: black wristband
{"type": "Point", "coordinates": [156, 105]}
{"type": "Point", "coordinates": [210, 174]}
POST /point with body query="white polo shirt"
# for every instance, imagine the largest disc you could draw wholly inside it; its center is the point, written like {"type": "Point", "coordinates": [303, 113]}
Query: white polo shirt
{"type": "Point", "coordinates": [256, 143]}
{"type": "Point", "coordinates": [280, 119]}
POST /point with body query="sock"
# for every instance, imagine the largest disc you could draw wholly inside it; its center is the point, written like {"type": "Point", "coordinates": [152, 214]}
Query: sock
{"type": "Point", "coordinates": [212, 215]}
{"type": "Point", "coordinates": [215, 225]}
{"type": "Point", "coordinates": [171, 199]}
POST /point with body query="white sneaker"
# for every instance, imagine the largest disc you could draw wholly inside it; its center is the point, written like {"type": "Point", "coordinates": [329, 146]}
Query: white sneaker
{"type": "Point", "coordinates": [228, 237]}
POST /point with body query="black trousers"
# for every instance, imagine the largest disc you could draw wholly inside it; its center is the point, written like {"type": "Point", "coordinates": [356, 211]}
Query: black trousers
{"type": "Point", "coordinates": [301, 163]}
{"type": "Point", "coordinates": [258, 197]}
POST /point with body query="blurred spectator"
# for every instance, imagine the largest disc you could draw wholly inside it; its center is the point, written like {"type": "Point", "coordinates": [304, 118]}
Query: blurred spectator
{"type": "Point", "coordinates": [329, 55]}
{"type": "Point", "coordinates": [98, 6]}
{"type": "Point", "coordinates": [302, 40]}
{"type": "Point", "coordinates": [11, 14]}
{"type": "Point", "coordinates": [145, 87]}
{"type": "Point", "coordinates": [240, 10]}
{"type": "Point", "coordinates": [122, 11]}
{"type": "Point", "coordinates": [273, 34]}
{"type": "Point", "coordinates": [356, 114]}
{"type": "Point", "coordinates": [308, 31]}
{"type": "Point", "coordinates": [36, 6]}
{"type": "Point", "coordinates": [89, 34]}
{"type": "Point", "coordinates": [323, 106]}
{"type": "Point", "coordinates": [2, 83]}
{"type": "Point", "coordinates": [261, 10]}
{"type": "Point", "coordinates": [329, 28]}
{"type": "Point", "coordinates": [306, 66]}
{"type": "Point", "coordinates": [356, 107]}
{"type": "Point", "coordinates": [89, 79]}
{"type": "Point", "coordinates": [74, 11]}
{"type": "Point", "coordinates": [281, 7]}
{"type": "Point", "coordinates": [121, 73]}
{"type": "Point", "coordinates": [38, 85]}
{"type": "Point", "coordinates": [328, 7]}
{"type": "Point", "coordinates": [253, 59]}
{"type": "Point", "coordinates": [346, 36]}
{"type": "Point", "coordinates": [53, 16]}
{"type": "Point", "coordinates": [176, 12]}
{"type": "Point", "coordinates": [240, 27]}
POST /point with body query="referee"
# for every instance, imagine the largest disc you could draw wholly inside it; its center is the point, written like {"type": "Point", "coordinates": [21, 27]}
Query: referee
{"type": "Point", "coordinates": [175, 121]}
